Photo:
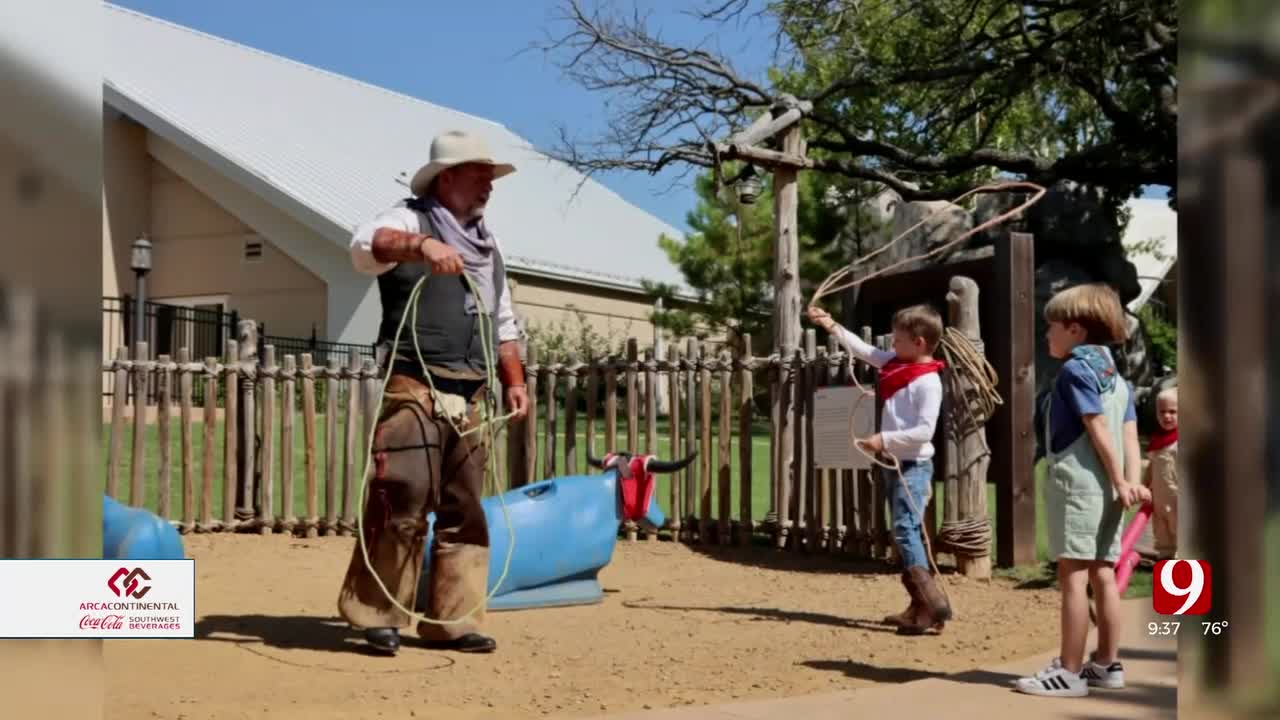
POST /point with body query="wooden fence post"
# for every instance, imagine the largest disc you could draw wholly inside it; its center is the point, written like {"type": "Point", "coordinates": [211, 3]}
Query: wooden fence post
{"type": "Point", "coordinates": [266, 485]}
{"type": "Point", "coordinates": [551, 430]}
{"type": "Point", "coordinates": [675, 517]}
{"type": "Point", "coordinates": [164, 407]}
{"type": "Point", "coordinates": [704, 500]}
{"type": "Point", "coordinates": [138, 467]}
{"type": "Point", "coordinates": [691, 440]}
{"type": "Point", "coordinates": [530, 450]}
{"type": "Point", "coordinates": [331, 447]}
{"type": "Point", "coordinates": [825, 535]}
{"type": "Point", "coordinates": [350, 482]}
{"type": "Point", "coordinates": [208, 442]}
{"type": "Point", "coordinates": [309, 442]}
{"type": "Point", "coordinates": [571, 415]}
{"type": "Point", "coordinates": [231, 436]}
{"type": "Point", "coordinates": [289, 518]}
{"type": "Point", "coordinates": [651, 388]}
{"type": "Point", "coordinates": [724, 534]}
{"type": "Point", "coordinates": [593, 393]}
{"type": "Point", "coordinates": [247, 421]}
{"type": "Point", "coordinates": [835, 477]}
{"type": "Point", "coordinates": [800, 388]}
{"type": "Point", "coordinates": [119, 398]}
{"type": "Point", "coordinates": [804, 444]}
{"type": "Point", "coordinates": [611, 405]}
{"type": "Point", "coordinates": [517, 462]}
{"type": "Point", "coordinates": [746, 524]}
{"type": "Point", "coordinates": [185, 382]}
{"type": "Point", "coordinates": [633, 414]}
{"type": "Point", "coordinates": [883, 546]}
{"type": "Point", "coordinates": [865, 494]}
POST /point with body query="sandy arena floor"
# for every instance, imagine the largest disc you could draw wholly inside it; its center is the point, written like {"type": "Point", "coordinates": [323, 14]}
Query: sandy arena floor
{"type": "Point", "coordinates": [679, 625]}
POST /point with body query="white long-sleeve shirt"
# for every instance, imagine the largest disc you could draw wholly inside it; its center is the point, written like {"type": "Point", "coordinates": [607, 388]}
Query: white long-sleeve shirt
{"type": "Point", "coordinates": [407, 220]}
{"type": "Point", "coordinates": [909, 418]}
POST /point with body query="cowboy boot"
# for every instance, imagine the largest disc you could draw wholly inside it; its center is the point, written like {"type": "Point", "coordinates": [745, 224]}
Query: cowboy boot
{"type": "Point", "coordinates": [907, 616]}
{"type": "Point", "coordinates": [384, 640]}
{"type": "Point", "coordinates": [934, 610]}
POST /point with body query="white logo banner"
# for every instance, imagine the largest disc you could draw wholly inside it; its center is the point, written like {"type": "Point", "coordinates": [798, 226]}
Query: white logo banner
{"type": "Point", "coordinates": [45, 598]}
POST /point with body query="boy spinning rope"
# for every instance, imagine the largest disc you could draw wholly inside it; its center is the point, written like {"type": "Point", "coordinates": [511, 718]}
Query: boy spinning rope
{"type": "Point", "coordinates": [911, 389]}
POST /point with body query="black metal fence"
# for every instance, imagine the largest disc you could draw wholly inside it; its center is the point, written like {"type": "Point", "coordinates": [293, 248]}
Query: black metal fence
{"type": "Point", "coordinates": [166, 329]}
{"type": "Point", "coordinates": [321, 351]}
{"type": "Point", "coordinates": [204, 331]}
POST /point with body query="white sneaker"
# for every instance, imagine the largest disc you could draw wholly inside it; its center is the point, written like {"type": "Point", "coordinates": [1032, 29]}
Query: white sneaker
{"type": "Point", "coordinates": [1054, 681]}
{"type": "Point", "coordinates": [1110, 676]}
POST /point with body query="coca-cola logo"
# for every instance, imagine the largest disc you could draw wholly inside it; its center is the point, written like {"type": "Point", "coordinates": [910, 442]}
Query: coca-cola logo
{"type": "Point", "coordinates": [102, 622]}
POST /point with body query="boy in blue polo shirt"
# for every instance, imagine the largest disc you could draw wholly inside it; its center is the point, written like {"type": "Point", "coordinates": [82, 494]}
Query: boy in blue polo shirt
{"type": "Point", "coordinates": [1094, 471]}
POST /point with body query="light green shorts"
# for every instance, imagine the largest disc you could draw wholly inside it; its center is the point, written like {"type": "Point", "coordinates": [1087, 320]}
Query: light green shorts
{"type": "Point", "coordinates": [1081, 512]}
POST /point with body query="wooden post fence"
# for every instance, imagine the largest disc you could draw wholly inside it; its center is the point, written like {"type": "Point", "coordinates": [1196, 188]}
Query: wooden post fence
{"type": "Point", "coordinates": [272, 476]}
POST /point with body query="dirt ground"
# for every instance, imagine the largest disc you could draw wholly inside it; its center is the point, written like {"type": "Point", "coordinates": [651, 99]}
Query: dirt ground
{"type": "Point", "coordinates": [679, 625]}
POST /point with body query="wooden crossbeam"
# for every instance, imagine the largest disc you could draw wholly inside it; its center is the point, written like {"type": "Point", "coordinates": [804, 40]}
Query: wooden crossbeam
{"type": "Point", "coordinates": [771, 159]}
{"type": "Point", "coordinates": [766, 127]}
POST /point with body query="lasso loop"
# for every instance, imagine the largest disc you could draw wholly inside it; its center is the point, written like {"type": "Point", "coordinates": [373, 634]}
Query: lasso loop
{"type": "Point", "coordinates": [488, 423]}
{"type": "Point", "coordinates": [958, 352]}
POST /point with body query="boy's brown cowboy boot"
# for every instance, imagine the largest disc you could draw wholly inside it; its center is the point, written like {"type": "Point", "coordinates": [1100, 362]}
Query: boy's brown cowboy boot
{"type": "Point", "coordinates": [907, 616]}
{"type": "Point", "coordinates": [934, 610]}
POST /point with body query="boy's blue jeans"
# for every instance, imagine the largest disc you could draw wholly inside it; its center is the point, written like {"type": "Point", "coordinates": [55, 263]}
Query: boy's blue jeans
{"type": "Point", "coordinates": [907, 524]}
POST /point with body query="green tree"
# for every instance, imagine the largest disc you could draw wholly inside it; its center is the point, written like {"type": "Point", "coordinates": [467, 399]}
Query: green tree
{"type": "Point", "coordinates": [728, 257]}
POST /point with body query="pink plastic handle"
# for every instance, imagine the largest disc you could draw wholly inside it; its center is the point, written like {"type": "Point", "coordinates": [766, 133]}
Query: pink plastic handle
{"type": "Point", "coordinates": [1128, 546]}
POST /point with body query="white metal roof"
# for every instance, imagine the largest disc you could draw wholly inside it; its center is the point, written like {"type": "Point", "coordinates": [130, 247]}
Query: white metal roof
{"type": "Point", "coordinates": [333, 151]}
{"type": "Point", "coordinates": [1151, 219]}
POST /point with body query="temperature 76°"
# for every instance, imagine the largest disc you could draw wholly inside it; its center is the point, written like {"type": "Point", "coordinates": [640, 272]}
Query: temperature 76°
{"type": "Point", "coordinates": [1214, 627]}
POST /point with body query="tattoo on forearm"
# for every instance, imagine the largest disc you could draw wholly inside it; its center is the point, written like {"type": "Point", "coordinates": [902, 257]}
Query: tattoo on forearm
{"type": "Point", "coordinates": [391, 245]}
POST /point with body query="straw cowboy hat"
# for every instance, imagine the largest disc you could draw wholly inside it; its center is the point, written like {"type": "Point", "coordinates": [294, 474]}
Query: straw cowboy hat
{"type": "Point", "coordinates": [456, 147]}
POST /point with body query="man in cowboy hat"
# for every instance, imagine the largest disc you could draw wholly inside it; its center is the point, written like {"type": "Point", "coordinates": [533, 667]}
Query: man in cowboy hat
{"type": "Point", "coordinates": [421, 462]}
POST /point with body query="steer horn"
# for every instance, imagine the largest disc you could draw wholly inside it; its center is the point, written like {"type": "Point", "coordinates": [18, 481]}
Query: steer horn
{"type": "Point", "coordinates": [623, 467]}
{"type": "Point", "coordinates": [655, 465]}
{"type": "Point", "coordinates": [670, 466]}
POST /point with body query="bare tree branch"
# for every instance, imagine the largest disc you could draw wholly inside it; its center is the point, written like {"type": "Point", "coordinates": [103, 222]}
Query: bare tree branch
{"type": "Point", "coordinates": [668, 104]}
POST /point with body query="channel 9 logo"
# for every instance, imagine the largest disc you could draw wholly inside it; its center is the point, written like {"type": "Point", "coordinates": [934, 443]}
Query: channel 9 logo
{"type": "Point", "coordinates": [1182, 587]}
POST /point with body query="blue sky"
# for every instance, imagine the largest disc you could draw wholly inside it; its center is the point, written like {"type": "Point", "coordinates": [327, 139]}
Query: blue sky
{"type": "Point", "coordinates": [463, 55]}
{"type": "Point", "coordinates": [467, 56]}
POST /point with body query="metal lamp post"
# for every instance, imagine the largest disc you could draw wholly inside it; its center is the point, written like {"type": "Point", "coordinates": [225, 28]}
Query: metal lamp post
{"type": "Point", "coordinates": [141, 264]}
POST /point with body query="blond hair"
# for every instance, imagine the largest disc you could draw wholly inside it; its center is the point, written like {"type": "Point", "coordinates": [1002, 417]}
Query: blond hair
{"type": "Point", "coordinates": [920, 321]}
{"type": "Point", "coordinates": [1094, 307]}
{"type": "Point", "coordinates": [1167, 394]}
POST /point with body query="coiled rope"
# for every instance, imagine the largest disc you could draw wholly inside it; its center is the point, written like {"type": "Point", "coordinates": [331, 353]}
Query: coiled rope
{"type": "Point", "coordinates": [488, 422]}
{"type": "Point", "coordinates": [954, 347]}
{"type": "Point", "coordinates": [976, 402]}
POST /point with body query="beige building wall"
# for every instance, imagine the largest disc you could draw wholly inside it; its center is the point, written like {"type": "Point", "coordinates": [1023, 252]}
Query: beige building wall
{"type": "Point", "coordinates": [200, 257]}
{"type": "Point", "coordinates": [126, 214]}
{"type": "Point", "coordinates": [548, 304]}
{"type": "Point", "coordinates": [616, 315]}
{"type": "Point", "coordinates": [126, 206]}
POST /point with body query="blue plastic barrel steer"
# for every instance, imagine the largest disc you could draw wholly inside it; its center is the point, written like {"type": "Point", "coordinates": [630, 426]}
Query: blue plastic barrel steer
{"type": "Point", "coordinates": [130, 533]}
{"type": "Point", "coordinates": [566, 529]}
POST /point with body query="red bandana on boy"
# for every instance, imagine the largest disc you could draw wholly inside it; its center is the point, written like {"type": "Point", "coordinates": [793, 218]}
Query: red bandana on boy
{"type": "Point", "coordinates": [897, 374]}
{"type": "Point", "coordinates": [1162, 439]}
